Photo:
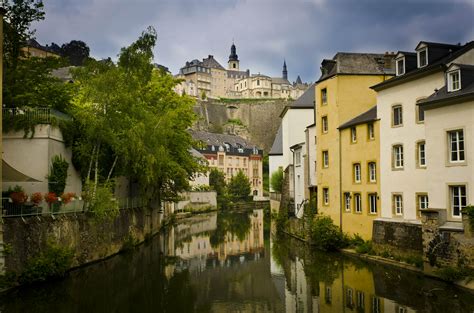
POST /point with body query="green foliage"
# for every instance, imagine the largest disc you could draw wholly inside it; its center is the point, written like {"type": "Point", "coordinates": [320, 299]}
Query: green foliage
{"type": "Point", "coordinates": [239, 187]}
{"type": "Point", "coordinates": [52, 262]}
{"type": "Point", "coordinates": [101, 201]}
{"type": "Point", "coordinates": [235, 121]}
{"type": "Point", "coordinates": [233, 223]}
{"type": "Point", "coordinates": [129, 243]}
{"type": "Point", "coordinates": [453, 274]}
{"type": "Point", "coordinates": [216, 128]}
{"type": "Point", "coordinates": [365, 248]}
{"type": "Point", "coordinates": [201, 188]}
{"type": "Point", "coordinates": [76, 51]}
{"type": "Point", "coordinates": [327, 236]}
{"type": "Point", "coordinates": [416, 260]}
{"type": "Point", "coordinates": [57, 175]}
{"type": "Point", "coordinates": [217, 181]}
{"type": "Point", "coordinates": [469, 211]}
{"type": "Point", "coordinates": [276, 180]}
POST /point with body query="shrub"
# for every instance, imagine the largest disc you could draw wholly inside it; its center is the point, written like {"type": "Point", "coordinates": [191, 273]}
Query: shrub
{"type": "Point", "coordinates": [365, 248]}
{"type": "Point", "coordinates": [53, 262]}
{"type": "Point", "coordinates": [239, 187]}
{"type": "Point", "coordinates": [327, 236]}
{"type": "Point", "coordinates": [276, 181]}
{"type": "Point", "coordinates": [58, 175]}
{"type": "Point", "coordinates": [469, 211]}
{"type": "Point", "coordinates": [453, 274]}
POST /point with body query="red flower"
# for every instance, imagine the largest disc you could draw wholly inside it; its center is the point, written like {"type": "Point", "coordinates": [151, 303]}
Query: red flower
{"type": "Point", "coordinates": [18, 197]}
{"type": "Point", "coordinates": [50, 197]}
{"type": "Point", "coordinates": [67, 197]}
{"type": "Point", "coordinates": [36, 198]}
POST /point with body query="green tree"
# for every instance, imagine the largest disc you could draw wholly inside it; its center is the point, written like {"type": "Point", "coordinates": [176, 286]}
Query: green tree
{"type": "Point", "coordinates": [58, 175]}
{"type": "Point", "coordinates": [76, 51]}
{"type": "Point", "coordinates": [239, 186]}
{"type": "Point", "coordinates": [217, 181]}
{"type": "Point", "coordinates": [276, 180]}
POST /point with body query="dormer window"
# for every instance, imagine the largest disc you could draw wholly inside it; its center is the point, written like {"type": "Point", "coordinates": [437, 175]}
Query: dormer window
{"type": "Point", "coordinates": [422, 57]}
{"type": "Point", "coordinates": [400, 66]}
{"type": "Point", "coordinates": [454, 81]}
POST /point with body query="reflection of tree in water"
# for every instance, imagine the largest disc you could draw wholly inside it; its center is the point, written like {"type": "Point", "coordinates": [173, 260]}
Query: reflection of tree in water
{"type": "Point", "coordinates": [235, 223]}
{"type": "Point", "coordinates": [178, 294]}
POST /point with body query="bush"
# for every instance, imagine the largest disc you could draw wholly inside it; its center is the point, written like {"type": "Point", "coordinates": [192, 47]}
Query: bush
{"type": "Point", "coordinates": [453, 274]}
{"type": "Point", "coordinates": [58, 175]}
{"type": "Point", "coordinates": [239, 187]}
{"type": "Point", "coordinates": [276, 181]}
{"type": "Point", "coordinates": [365, 248]}
{"type": "Point", "coordinates": [327, 236]}
{"type": "Point", "coordinates": [53, 262]}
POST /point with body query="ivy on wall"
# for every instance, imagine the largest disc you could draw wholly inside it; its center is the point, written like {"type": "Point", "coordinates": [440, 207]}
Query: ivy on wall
{"type": "Point", "coordinates": [57, 175]}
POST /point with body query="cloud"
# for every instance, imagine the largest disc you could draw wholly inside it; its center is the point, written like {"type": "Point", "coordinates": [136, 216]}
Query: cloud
{"type": "Point", "coordinates": [265, 31]}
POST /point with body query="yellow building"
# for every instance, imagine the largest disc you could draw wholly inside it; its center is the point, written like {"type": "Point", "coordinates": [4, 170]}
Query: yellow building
{"type": "Point", "coordinates": [342, 93]}
{"type": "Point", "coordinates": [360, 144]}
{"type": "Point", "coordinates": [34, 49]}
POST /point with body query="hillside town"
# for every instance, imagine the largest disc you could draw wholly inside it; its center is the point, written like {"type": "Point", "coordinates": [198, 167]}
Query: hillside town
{"type": "Point", "coordinates": [143, 180]}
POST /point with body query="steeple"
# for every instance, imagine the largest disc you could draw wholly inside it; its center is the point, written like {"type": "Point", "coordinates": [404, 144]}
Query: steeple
{"type": "Point", "coordinates": [298, 80]}
{"type": "Point", "coordinates": [285, 72]}
{"type": "Point", "coordinates": [233, 58]}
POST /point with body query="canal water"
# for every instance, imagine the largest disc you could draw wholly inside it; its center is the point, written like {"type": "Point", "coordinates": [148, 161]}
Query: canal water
{"type": "Point", "coordinates": [230, 262]}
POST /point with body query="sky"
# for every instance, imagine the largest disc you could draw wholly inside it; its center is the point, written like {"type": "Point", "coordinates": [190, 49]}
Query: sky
{"type": "Point", "coordinates": [265, 32]}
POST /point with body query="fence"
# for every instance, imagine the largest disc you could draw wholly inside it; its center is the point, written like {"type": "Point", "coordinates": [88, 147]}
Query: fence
{"type": "Point", "coordinates": [11, 209]}
{"type": "Point", "coordinates": [37, 115]}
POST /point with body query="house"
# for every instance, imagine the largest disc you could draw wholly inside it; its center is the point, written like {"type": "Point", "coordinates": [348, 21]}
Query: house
{"type": "Point", "coordinates": [360, 184]}
{"type": "Point", "coordinates": [34, 49]}
{"type": "Point", "coordinates": [408, 162]}
{"type": "Point", "coordinates": [310, 183]}
{"type": "Point", "coordinates": [343, 93]}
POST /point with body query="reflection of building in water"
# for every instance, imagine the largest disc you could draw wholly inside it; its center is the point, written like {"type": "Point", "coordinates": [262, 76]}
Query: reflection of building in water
{"type": "Point", "coordinates": [298, 296]}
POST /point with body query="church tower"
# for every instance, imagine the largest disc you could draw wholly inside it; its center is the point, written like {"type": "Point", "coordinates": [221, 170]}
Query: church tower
{"type": "Point", "coordinates": [285, 72]}
{"type": "Point", "coordinates": [233, 59]}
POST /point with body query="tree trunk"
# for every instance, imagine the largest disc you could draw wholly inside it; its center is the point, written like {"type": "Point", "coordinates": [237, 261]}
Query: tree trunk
{"type": "Point", "coordinates": [90, 164]}
{"type": "Point", "coordinates": [96, 172]}
{"type": "Point", "coordinates": [112, 169]}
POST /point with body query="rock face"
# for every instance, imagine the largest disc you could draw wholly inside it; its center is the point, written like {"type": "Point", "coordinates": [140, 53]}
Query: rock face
{"type": "Point", "coordinates": [257, 121]}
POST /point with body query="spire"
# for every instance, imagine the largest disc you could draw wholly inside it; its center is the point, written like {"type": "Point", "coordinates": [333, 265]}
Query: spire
{"type": "Point", "coordinates": [285, 72]}
{"type": "Point", "coordinates": [298, 80]}
{"type": "Point", "coordinates": [233, 53]}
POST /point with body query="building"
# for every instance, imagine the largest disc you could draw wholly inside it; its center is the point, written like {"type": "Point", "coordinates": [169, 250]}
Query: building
{"type": "Point", "coordinates": [360, 143]}
{"type": "Point", "coordinates": [275, 156]}
{"type": "Point", "coordinates": [342, 93]}
{"type": "Point", "coordinates": [34, 49]}
{"type": "Point", "coordinates": [449, 130]}
{"type": "Point", "coordinates": [310, 164]}
{"type": "Point", "coordinates": [409, 163]}
{"type": "Point", "coordinates": [231, 154]}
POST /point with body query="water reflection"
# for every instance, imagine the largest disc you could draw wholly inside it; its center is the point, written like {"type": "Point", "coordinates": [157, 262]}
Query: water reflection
{"type": "Point", "coordinates": [227, 263]}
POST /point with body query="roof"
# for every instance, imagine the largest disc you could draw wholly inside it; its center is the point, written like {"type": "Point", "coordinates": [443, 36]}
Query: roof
{"type": "Point", "coordinates": [368, 116]}
{"type": "Point", "coordinates": [279, 80]}
{"type": "Point", "coordinates": [210, 62]}
{"type": "Point", "coordinates": [63, 73]}
{"type": "Point", "coordinates": [220, 139]}
{"type": "Point", "coordinates": [306, 100]}
{"type": "Point", "coordinates": [196, 153]}
{"type": "Point", "coordinates": [33, 43]}
{"type": "Point", "coordinates": [277, 147]}
{"type": "Point", "coordinates": [357, 63]}
{"type": "Point", "coordinates": [434, 66]}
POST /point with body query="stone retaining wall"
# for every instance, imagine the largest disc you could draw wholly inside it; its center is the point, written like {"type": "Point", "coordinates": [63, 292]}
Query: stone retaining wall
{"type": "Point", "coordinates": [90, 239]}
{"type": "Point", "coordinates": [397, 236]}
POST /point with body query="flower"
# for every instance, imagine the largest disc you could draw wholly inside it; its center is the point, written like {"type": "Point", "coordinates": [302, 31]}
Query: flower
{"type": "Point", "coordinates": [18, 197]}
{"type": "Point", "coordinates": [50, 197]}
{"type": "Point", "coordinates": [36, 198]}
{"type": "Point", "coordinates": [67, 197]}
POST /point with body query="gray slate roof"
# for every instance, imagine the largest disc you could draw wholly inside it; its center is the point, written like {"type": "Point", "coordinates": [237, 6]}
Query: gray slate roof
{"type": "Point", "coordinates": [306, 100]}
{"type": "Point", "coordinates": [368, 116]}
{"type": "Point", "coordinates": [277, 147]}
{"type": "Point", "coordinates": [63, 73]}
{"type": "Point", "coordinates": [210, 62]}
{"type": "Point", "coordinates": [355, 63]}
{"type": "Point", "coordinates": [220, 139]}
{"type": "Point", "coordinates": [279, 80]}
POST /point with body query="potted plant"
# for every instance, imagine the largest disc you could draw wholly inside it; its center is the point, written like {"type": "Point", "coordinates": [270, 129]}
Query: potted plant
{"type": "Point", "coordinates": [68, 197]}
{"type": "Point", "coordinates": [50, 198]}
{"type": "Point", "coordinates": [36, 198]}
{"type": "Point", "coordinates": [18, 197]}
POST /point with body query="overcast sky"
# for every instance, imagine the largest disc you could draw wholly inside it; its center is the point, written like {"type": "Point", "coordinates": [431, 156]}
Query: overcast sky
{"type": "Point", "coordinates": [265, 31]}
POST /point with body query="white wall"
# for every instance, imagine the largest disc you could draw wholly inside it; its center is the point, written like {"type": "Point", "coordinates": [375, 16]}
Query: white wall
{"type": "Point", "coordinates": [293, 125]}
{"type": "Point", "coordinates": [299, 180]}
{"type": "Point", "coordinates": [440, 172]}
{"type": "Point", "coordinates": [311, 154]}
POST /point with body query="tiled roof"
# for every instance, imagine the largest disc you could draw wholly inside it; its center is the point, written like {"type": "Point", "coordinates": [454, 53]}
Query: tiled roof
{"type": "Point", "coordinates": [368, 116]}
{"type": "Point", "coordinates": [277, 147]}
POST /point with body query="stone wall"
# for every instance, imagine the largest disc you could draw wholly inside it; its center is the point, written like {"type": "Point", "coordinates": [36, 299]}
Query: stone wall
{"type": "Point", "coordinates": [197, 200]}
{"type": "Point", "coordinates": [397, 236]}
{"type": "Point", "coordinates": [261, 119]}
{"type": "Point", "coordinates": [446, 244]}
{"type": "Point", "coordinates": [90, 239]}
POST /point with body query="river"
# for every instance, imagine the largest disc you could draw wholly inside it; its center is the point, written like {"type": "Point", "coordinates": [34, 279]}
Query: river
{"type": "Point", "coordinates": [230, 262]}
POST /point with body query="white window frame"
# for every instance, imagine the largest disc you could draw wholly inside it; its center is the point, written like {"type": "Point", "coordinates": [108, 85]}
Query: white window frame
{"type": "Point", "coordinates": [460, 153]}
{"type": "Point", "coordinates": [326, 159]}
{"type": "Point", "coordinates": [297, 158]}
{"type": "Point", "coordinates": [402, 70]}
{"type": "Point", "coordinates": [421, 153]}
{"type": "Point", "coordinates": [458, 192]}
{"type": "Point", "coordinates": [399, 115]}
{"type": "Point", "coordinates": [372, 172]}
{"type": "Point", "coordinates": [324, 96]}
{"type": "Point", "coordinates": [357, 203]}
{"type": "Point", "coordinates": [397, 155]}
{"type": "Point", "coordinates": [347, 201]}
{"type": "Point", "coordinates": [371, 131]}
{"type": "Point", "coordinates": [418, 57]}
{"type": "Point", "coordinates": [353, 134]}
{"type": "Point", "coordinates": [372, 203]}
{"type": "Point", "coordinates": [324, 124]}
{"type": "Point", "coordinates": [357, 172]}
{"type": "Point", "coordinates": [451, 82]}
{"type": "Point", "coordinates": [423, 201]}
{"type": "Point", "coordinates": [326, 196]}
{"type": "Point", "coordinates": [398, 204]}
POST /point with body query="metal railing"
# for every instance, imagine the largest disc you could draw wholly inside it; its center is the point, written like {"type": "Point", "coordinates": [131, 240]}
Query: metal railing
{"type": "Point", "coordinates": [38, 115]}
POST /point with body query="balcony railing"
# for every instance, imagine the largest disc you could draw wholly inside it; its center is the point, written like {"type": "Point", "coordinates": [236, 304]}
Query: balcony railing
{"type": "Point", "coordinates": [36, 115]}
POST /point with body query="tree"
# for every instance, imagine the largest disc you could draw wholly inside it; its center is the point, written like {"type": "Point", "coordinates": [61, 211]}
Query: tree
{"type": "Point", "coordinates": [217, 181]}
{"type": "Point", "coordinates": [239, 187]}
{"type": "Point", "coordinates": [76, 52]}
{"type": "Point", "coordinates": [277, 180]}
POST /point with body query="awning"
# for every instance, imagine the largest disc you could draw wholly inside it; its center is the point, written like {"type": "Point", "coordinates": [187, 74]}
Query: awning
{"type": "Point", "coordinates": [9, 174]}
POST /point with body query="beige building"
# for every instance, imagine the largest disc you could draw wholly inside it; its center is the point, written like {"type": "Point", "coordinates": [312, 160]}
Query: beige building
{"type": "Point", "coordinates": [34, 49]}
{"type": "Point", "coordinates": [231, 154]}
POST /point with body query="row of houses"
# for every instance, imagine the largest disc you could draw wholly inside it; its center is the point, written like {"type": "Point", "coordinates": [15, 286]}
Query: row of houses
{"type": "Point", "coordinates": [383, 137]}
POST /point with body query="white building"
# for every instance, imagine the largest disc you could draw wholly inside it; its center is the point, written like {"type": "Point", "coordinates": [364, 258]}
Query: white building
{"type": "Point", "coordinates": [449, 124]}
{"type": "Point", "coordinates": [275, 156]}
{"type": "Point", "coordinates": [310, 161]}
{"type": "Point", "coordinates": [404, 152]}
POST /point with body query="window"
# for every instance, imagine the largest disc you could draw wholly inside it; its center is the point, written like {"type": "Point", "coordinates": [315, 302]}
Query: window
{"type": "Point", "coordinates": [397, 115]}
{"type": "Point", "coordinates": [370, 131]}
{"type": "Point", "coordinates": [397, 157]}
{"type": "Point", "coordinates": [421, 203]}
{"type": "Point", "coordinates": [324, 124]}
{"type": "Point", "coordinates": [349, 298]}
{"type": "Point", "coordinates": [353, 134]}
{"type": "Point", "coordinates": [357, 203]}
{"type": "Point", "coordinates": [360, 300]}
{"type": "Point", "coordinates": [456, 146]}
{"type": "Point", "coordinates": [458, 199]}
{"type": "Point", "coordinates": [328, 295]}
{"type": "Point", "coordinates": [326, 196]}
{"type": "Point", "coordinates": [373, 203]}
{"type": "Point", "coordinates": [298, 158]}
{"type": "Point", "coordinates": [221, 160]}
{"type": "Point", "coordinates": [421, 154]}
{"type": "Point", "coordinates": [397, 204]}
{"type": "Point", "coordinates": [347, 201]}
{"type": "Point", "coordinates": [423, 57]}
{"type": "Point", "coordinates": [372, 172]}
{"type": "Point", "coordinates": [400, 66]}
{"type": "Point", "coordinates": [324, 96]}
{"type": "Point", "coordinates": [420, 114]}
{"type": "Point", "coordinates": [357, 172]}
{"type": "Point", "coordinates": [325, 159]}
{"type": "Point", "coordinates": [375, 305]}
{"type": "Point", "coordinates": [454, 81]}
{"type": "Point", "coordinates": [258, 82]}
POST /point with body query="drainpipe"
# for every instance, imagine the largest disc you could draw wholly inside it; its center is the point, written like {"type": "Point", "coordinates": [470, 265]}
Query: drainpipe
{"type": "Point", "coordinates": [294, 184]}
{"type": "Point", "coordinates": [340, 181]}
{"type": "Point", "coordinates": [2, 13]}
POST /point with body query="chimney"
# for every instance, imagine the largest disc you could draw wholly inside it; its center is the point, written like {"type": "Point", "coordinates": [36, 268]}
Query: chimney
{"type": "Point", "coordinates": [211, 56]}
{"type": "Point", "coordinates": [388, 60]}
